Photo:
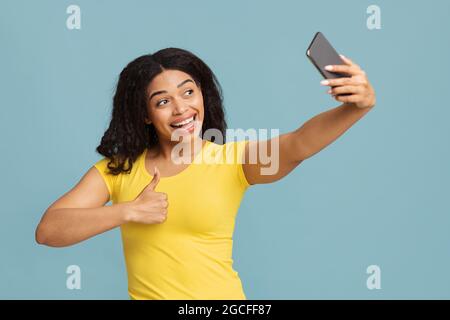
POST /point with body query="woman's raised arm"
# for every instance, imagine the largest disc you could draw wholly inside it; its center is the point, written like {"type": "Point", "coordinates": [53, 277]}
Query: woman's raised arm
{"type": "Point", "coordinates": [358, 98]}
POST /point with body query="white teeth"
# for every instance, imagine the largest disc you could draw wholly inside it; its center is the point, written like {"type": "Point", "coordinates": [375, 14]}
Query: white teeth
{"type": "Point", "coordinates": [183, 122]}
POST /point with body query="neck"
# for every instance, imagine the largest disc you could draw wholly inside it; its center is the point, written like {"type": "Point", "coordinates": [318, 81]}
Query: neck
{"type": "Point", "coordinates": [165, 147]}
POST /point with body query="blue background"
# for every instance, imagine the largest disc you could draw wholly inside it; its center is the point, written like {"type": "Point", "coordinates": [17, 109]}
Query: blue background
{"type": "Point", "coordinates": [378, 195]}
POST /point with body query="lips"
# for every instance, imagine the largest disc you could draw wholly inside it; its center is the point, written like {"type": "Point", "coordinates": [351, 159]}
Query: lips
{"type": "Point", "coordinates": [184, 122]}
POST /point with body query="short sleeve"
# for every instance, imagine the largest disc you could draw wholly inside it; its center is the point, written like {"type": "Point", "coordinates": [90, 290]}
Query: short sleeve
{"type": "Point", "coordinates": [239, 151]}
{"type": "Point", "coordinates": [109, 179]}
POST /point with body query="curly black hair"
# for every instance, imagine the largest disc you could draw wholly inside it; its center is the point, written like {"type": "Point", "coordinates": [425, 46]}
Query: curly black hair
{"type": "Point", "coordinates": [128, 135]}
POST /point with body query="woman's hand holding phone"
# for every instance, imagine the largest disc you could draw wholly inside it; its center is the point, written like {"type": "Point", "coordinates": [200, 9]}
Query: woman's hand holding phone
{"type": "Point", "coordinates": [348, 82]}
{"type": "Point", "coordinates": [355, 84]}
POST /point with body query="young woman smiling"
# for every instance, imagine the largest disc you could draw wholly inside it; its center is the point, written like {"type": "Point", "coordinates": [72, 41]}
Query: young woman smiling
{"type": "Point", "coordinates": [177, 219]}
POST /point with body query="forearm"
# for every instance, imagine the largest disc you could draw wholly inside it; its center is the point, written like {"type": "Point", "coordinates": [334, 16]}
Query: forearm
{"type": "Point", "coordinates": [326, 127]}
{"type": "Point", "coordinates": [67, 226]}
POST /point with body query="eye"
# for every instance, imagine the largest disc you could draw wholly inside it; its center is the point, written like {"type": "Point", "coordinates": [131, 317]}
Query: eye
{"type": "Point", "coordinates": [159, 102]}
{"type": "Point", "coordinates": [190, 90]}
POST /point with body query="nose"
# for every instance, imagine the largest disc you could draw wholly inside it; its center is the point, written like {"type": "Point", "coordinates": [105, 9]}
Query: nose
{"type": "Point", "coordinates": [179, 108]}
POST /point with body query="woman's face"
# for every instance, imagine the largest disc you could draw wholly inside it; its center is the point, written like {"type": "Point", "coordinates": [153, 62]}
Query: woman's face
{"type": "Point", "coordinates": [173, 98]}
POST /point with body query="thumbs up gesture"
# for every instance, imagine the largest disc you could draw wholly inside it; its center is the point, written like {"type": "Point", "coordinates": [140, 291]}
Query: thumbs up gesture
{"type": "Point", "coordinates": [149, 206]}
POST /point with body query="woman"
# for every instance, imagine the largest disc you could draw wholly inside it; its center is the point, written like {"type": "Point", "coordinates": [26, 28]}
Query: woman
{"type": "Point", "coordinates": [177, 223]}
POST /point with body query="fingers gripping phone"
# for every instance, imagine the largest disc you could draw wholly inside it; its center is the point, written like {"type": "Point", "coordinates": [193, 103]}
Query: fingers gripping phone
{"type": "Point", "coordinates": [321, 53]}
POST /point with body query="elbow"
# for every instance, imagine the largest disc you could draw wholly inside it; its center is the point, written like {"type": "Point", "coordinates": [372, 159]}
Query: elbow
{"type": "Point", "coordinates": [43, 236]}
{"type": "Point", "coordinates": [40, 235]}
{"type": "Point", "coordinates": [44, 233]}
{"type": "Point", "coordinates": [47, 236]}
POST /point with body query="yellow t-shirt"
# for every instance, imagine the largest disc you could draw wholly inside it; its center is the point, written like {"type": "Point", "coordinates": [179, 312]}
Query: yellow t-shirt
{"type": "Point", "coordinates": [189, 256]}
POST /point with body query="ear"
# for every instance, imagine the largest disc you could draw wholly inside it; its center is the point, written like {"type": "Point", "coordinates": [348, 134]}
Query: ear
{"type": "Point", "coordinates": [147, 121]}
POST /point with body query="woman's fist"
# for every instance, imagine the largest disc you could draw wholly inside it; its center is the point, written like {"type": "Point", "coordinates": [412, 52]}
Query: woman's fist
{"type": "Point", "coordinates": [149, 206]}
{"type": "Point", "coordinates": [354, 89]}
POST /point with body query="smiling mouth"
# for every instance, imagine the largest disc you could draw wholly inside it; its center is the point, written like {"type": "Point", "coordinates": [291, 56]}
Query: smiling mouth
{"type": "Point", "coordinates": [186, 124]}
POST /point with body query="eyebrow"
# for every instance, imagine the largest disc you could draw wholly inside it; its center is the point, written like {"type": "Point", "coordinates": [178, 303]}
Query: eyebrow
{"type": "Point", "coordinates": [164, 91]}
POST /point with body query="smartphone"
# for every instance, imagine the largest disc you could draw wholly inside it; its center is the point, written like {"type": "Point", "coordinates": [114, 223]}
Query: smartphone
{"type": "Point", "coordinates": [321, 53]}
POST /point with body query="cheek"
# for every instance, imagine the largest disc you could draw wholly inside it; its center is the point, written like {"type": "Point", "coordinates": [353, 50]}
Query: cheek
{"type": "Point", "coordinates": [197, 100]}
{"type": "Point", "coordinates": [198, 103]}
{"type": "Point", "coordinates": [160, 117]}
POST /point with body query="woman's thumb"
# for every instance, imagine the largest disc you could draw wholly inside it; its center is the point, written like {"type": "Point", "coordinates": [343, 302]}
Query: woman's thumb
{"type": "Point", "coordinates": [152, 185]}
